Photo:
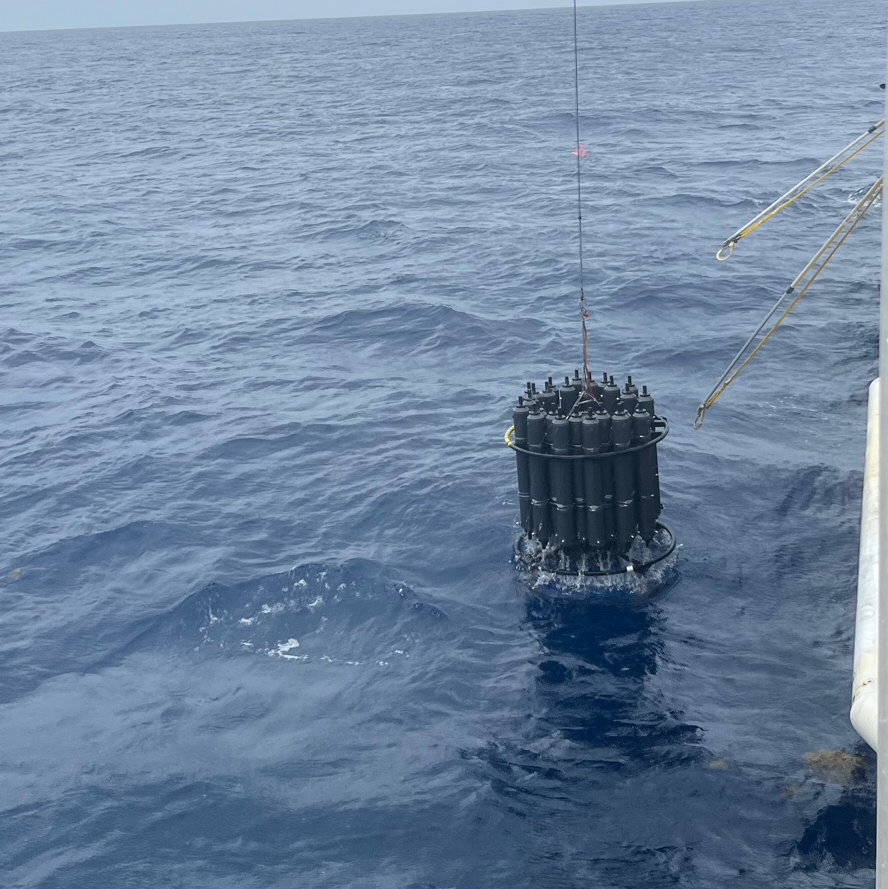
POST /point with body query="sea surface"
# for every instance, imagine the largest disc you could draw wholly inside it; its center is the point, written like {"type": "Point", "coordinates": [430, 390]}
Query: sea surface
{"type": "Point", "coordinates": [267, 294]}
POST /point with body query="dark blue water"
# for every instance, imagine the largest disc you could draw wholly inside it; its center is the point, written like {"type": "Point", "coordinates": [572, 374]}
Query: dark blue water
{"type": "Point", "coordinates": [267, 292]}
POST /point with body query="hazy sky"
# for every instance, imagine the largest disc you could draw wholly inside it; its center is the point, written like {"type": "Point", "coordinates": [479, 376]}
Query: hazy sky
{"type": "Point", "coordinates": [25, 15]}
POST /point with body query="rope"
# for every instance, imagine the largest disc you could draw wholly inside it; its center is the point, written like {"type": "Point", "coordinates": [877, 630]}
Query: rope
{"type": "Point", "coordinates": [579, 153]}
{"type": "Point", "coordinates": [793, 194]}
{"type": "Point", "coordinates": [844, 229]}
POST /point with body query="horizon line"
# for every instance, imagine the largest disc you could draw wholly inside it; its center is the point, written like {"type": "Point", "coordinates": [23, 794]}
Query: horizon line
{"type": "Point", "coordinates": [394, 15]}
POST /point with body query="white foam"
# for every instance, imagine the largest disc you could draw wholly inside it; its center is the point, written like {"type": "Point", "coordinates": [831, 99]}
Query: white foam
{"type": "Point", "coordinates": [284, 647]}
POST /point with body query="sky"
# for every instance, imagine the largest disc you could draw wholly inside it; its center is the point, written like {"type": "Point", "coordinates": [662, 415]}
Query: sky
{"type": "Point", "coordinates": [27, 15]}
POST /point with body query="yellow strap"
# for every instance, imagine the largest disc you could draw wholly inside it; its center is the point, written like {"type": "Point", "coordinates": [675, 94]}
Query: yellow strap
{"type": "Point", "coordinates": [786, 203]}
{"type": "Point", "coordinates": [509, 431]}
{"type": "Point", "coordinates": [714, 397]}
{"type": "Point", "coordinates": [729, 245]}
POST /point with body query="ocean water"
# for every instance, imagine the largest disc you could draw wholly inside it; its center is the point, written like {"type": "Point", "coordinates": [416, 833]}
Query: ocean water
{"type": "Point", "coordinates": [267, 293]}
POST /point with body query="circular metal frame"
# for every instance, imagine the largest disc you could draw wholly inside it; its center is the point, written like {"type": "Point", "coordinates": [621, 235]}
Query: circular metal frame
{"type": "Point", "coordinates": [607, 455]}
{"type": "Point", "coordinates": [631, 567]}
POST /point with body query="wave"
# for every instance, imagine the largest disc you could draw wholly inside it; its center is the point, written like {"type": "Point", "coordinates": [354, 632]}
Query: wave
{"type": "Point", "coordinates": [352, 614]}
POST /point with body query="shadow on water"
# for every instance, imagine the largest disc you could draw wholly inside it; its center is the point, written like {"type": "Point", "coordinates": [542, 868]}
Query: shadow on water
{"type": "Point", "coordinates": [596, 659]}
{"type": "Point", "coordinates": [597, 656]}
{"type": "Point", "coordinates": [601, 747]}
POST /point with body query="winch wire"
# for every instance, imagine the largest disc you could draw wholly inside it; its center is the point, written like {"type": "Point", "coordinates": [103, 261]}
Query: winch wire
{"type": "Point", "coordinates": [834, 241]}
{"type": "Point", "coordinates": [800, 188]}
{"type": "Point", "coordinates": [579, 153]}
